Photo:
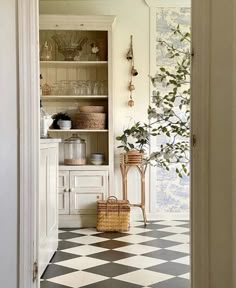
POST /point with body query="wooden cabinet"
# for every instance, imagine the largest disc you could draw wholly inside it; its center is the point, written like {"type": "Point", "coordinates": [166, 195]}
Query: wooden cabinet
{"type": "Point", "coordinates": [78, 194]}
{"type": "Point", "coordinates": [48, 208]}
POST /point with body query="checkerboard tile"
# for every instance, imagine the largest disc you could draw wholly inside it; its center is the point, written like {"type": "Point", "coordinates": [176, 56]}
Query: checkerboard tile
{"type": "Point", "coordinates": [155, 256]}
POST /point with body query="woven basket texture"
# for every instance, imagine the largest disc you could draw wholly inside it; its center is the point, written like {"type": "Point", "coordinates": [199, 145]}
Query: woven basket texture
{"type": "Point", "coordinates": [113, 215]}
{"type": "Point", "coordinates": [90, 121]}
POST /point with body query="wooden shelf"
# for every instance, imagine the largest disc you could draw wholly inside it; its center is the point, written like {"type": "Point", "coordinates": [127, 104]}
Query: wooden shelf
{"type": "Point", "coordinates": [66, 64]}
{"type": "Point", "coordinates": [72, 97]}
{"type": "Point", "coordinates": [78, 130]}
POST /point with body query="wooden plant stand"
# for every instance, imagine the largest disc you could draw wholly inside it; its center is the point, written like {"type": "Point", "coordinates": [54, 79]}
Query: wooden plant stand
{"type": "Point", "coordinates": [128, 160]}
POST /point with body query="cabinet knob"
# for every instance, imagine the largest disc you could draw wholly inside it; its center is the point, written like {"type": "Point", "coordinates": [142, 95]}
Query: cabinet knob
{"type": "Point", "coordinates": [66, 190]}
{"type": "Point", "coordinates": [98, 196]}
{"type": "Point", "coordinates": [71, 189]}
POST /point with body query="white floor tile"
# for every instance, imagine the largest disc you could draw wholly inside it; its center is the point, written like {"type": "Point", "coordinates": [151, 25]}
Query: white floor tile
{"type": "Point", "coordinates": [185, 248]}
{"type": "Point", "coordinates": [182, 238]}
{"type": "Point", "coordinates": [174, 229]}
{"type": "Point", "coordinates": [183, 260]}
{"type": "Point", "coordinates": [89, 239]}
{"type": "Point", "coordinates": [84, 250]}
{"type": "Point", "coordinates": [87, 231]}
{"type": "Point", "coordinates": [172, 223]}
{"type": "Point", "coordinates": [135, 238]}
{"type": "Point", "coordinates": [135, 230]}
{"type": "Point", "coordinates": [82, 263]}
{"type": "Point", "coordinates": [78, 279]}
{"type": "Point", "coordinates": [185, 276]}
{"type": "Point", "coordinates": [135, 223]}
{"type": "Point", "coordinates": [144, 277]}
{"type": "Point", "coordinates": [140, 261]}
{"type": "Point", "coordinates": [137, 249]}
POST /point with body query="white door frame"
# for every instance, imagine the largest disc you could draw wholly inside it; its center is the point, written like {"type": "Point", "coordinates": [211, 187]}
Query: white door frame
{"type": "Point", "coordinates": [29, 140]}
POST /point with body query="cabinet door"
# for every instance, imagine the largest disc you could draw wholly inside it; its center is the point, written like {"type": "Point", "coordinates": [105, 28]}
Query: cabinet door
{"type": "Point", "coordinates": [86, 188]}
{"type": "Point", "coordinates": [52, 200]}
{"type": "Point", "coordinates": [63, 192]}
{"type": "Point", "coordinates": [48, 208]}
{"type": "Point", "coordinates": [42, 231]}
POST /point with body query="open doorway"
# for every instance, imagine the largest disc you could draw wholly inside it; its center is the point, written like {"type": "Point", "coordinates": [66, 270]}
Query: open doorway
{"type": "Point", "coordinates": [73, 261]}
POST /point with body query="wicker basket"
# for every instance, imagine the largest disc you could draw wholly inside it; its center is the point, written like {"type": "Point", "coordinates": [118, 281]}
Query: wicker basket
{"type": "Point", "coordinates": [113, 215]}
{"type": "Point", "coordinates": [90, 121]}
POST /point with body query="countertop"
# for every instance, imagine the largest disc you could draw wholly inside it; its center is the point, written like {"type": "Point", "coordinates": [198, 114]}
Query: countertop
{"type": "Point", "coordinates": [49, 140]}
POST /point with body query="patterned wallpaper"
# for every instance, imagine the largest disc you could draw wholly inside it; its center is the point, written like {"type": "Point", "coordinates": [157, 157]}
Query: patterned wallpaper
{"type": "Point", "coordinates": [171, 193]}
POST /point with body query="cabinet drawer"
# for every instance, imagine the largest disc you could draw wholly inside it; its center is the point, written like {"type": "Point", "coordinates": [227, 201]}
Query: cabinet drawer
{"type": "Point", "coordinates": [90, 181]}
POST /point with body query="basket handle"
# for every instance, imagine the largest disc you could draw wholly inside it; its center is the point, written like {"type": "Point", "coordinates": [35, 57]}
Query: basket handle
{"type": "Point", "coordinates": [111, 198]}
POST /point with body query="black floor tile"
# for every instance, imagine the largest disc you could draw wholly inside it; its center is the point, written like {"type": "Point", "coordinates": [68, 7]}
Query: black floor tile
{"type": "Point", "coordinates": [62, 256]}
{"type": "Point", "coordinates": [173, 283]}
{"type": "Point", "coordinates": [56, 270]}
{"type": "Point", "coordinates": [112, 283]}
{"type": "Point", "coordinates": [111, 255]}
{"type": "Point", "coordinates": [48, 284]}
{"type": "Point", "coordinates": [165, 254]}
{"type": "Point", "coordinates": [171, 268]}
{"type": "Point", "coordinates": [112, 235]}
{"type": "Point", "coordinates": [67, 244]}
{"type": "Point", "coordinates": [111, 269]}
{"type": "Point", "coordinates": [160, 243]}
{"type": "Point", "coordinates": [68, 235]}
{"type": "Point", "coordinates": [111, 244]}
{"type": "Point", "coordinates": [69, 229]}
{"type": "Point", "coordinates": [156, 234]}
{"type": "Point", "coordinates": [185, 225]}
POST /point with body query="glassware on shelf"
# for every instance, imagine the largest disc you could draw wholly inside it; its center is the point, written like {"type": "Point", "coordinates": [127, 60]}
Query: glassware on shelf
{"type": "Point", "coordinates": [70, 44]}
{"type": "Point", "coordinates": [96, 88]}
{"type": "Point", "coordinates": [46, 52]}
{"type": "Point", "coordinates": [76, 87]}
{"type": "Point", "coordinates": [74, 151]}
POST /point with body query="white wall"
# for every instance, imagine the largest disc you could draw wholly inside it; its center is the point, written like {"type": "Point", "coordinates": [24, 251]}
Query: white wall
{"type": "Point", "coordinates": [8, 145]}
{"type": "Point", "coordinates": [132, 18]}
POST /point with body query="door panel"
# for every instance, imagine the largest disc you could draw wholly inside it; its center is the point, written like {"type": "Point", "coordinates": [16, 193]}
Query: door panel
{"type": "Point", "coordinates": [63, 193]}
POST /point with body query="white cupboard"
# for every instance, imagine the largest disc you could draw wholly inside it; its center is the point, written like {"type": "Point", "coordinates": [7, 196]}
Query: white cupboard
{"type": "Point", "coordinates": [48, 203]}
{"type": "Point", "coordinates": [79, 192]}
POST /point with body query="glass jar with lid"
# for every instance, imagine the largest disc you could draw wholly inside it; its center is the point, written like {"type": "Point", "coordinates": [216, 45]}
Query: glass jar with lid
{"type": "Point", "coordinates": [74, 151]}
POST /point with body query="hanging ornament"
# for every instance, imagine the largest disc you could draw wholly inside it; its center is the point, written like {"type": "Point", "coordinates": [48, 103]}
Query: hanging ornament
{"type": "Point", "coordinates": [133, 71]}
{"type": "Point", "coordinates": [131, 102]}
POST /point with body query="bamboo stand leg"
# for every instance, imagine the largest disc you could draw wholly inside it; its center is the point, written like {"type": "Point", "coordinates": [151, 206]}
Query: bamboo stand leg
{"type": "Point", "coordinates": [124, 172]}
{"type": "Point", "coordinates": [142, 170]}
{"type": "Point", "coordinates": [143, 196]}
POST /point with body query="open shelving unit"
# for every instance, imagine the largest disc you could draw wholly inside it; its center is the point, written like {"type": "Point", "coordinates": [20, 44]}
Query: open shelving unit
{"type": "Point", "coordinates": [80, 186]}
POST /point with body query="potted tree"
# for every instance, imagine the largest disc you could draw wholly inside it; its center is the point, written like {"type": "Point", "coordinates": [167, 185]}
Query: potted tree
{"type": "Point", "coordinates": [169, 114]}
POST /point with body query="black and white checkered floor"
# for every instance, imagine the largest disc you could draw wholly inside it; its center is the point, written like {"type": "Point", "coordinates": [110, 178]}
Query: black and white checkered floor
{"type": "Point", "coordinates": [156, 256]}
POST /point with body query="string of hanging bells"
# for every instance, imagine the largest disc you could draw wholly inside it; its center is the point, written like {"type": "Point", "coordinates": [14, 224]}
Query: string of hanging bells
{"type": "Point", "coordinates": [133, 71]}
